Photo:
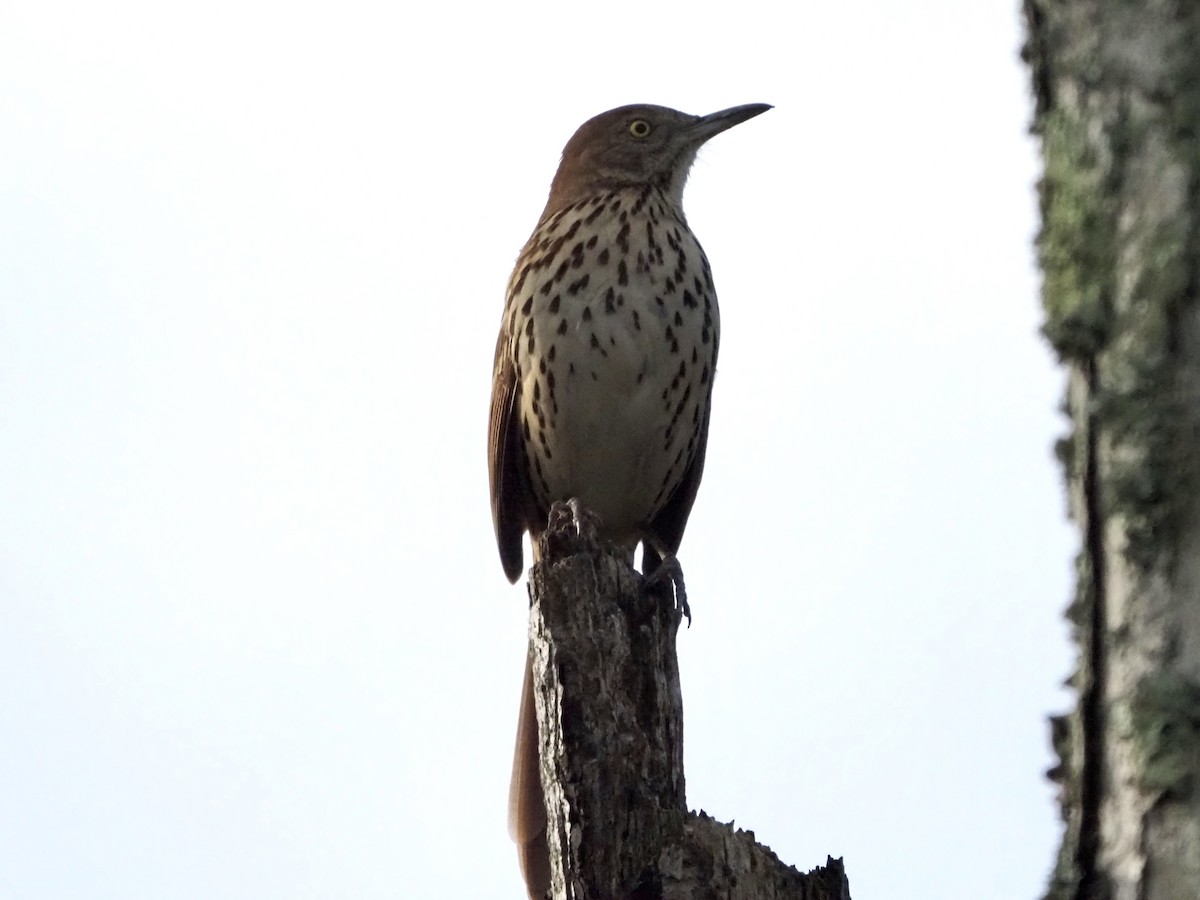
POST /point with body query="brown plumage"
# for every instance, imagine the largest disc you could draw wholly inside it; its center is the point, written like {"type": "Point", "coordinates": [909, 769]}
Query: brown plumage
{"type": "Point", "coordinates": [604, 368]}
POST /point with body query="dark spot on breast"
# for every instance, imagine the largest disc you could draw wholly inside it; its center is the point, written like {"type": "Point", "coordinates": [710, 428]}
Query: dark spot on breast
{"type": "Point", "coordinates": [622, 274]}
{"type": "Point", "coordinates": [687, 393]}
{"type": "Point", "coordinates": [602, 258]}
{"type": "Point", "coordinates": [562, 326]}
{"type": "Point", "coordinates": [587, 314]}
{"type": "Point", "coordinates": [689, 299]}
{"type": "Point", "coordinates": [521, 279]}
{"type": "Point", "coordinates": [553, 307]}
{"type": "Point", "coordinates": [642, 198]}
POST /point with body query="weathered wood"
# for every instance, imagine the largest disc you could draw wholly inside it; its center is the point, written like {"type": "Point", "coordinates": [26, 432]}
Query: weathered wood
{"type": "Point", "coordinates": [610, 712]}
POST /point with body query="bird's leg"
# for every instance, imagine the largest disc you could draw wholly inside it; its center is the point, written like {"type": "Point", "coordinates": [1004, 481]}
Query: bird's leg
{"type": "Point", "coordinates": [567, 515]}
{"type": "Point", "coordinates": [571, 528]}
{"type": "Point", "coordinates": [668, 570]}
{"type": "Point", "coordinates": [586, 522]}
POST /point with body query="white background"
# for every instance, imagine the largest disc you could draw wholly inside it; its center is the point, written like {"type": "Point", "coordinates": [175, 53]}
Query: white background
{"type": "Point", "coordinates": [255, 641]}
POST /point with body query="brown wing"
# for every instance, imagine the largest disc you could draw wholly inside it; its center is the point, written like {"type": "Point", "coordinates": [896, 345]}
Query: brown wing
{"type": "Point", "coordinates": [668, 525]}
{"type": "Point", "coordinates": [506, 470]}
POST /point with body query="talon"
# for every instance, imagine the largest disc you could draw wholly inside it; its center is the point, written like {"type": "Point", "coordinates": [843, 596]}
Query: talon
{"type": "Point", "coordinates": [586, 522]}
{"type": "Point", "coordinates": [670, 571]}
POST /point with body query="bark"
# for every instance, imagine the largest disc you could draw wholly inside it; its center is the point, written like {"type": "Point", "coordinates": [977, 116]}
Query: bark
{"type": "Point", "coordinates": [1117, 86]}
{"type": "Point", "coordinates": [610, 716]}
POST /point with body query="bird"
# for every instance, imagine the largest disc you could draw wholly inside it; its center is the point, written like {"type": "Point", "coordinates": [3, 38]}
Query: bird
{"type": "Point", "coordinates": [603, 373]}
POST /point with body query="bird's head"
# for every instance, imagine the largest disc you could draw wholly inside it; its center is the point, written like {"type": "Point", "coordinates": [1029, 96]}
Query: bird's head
{"type": "Point", "coordinates": [632, 146]}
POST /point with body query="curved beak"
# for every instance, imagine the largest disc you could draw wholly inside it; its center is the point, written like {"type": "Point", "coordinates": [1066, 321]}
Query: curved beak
{"type": "Point", "coordinates": [709, 126]}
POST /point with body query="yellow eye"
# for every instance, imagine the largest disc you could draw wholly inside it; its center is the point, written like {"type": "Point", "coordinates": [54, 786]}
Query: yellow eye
{"type": "Point", "coordinates": [639, 128]}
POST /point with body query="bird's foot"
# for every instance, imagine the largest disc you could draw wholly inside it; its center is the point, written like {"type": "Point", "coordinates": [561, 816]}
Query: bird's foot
{"type": "Point", "coordinates": [570, 528]}
{"type": "Point", "coordinates": [671, 573]}
{"type": "Point", "coordinates": [571, 515]}
{"type": "Point", "coordinates": [586, 522]}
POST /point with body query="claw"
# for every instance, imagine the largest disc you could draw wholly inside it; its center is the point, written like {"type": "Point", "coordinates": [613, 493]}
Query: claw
{"type": "Point", "coordinates": [671, 572]}
{"type": "Point", "coordinates": [586, 522]}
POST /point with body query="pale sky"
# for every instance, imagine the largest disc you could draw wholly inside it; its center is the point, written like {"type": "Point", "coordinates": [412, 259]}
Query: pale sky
{"type": "Point", "coordinates": [255, 640]}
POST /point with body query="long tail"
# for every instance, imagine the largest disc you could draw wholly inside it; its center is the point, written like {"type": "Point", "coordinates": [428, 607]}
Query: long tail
{"type": "Point", "coordinates": [526, 804]}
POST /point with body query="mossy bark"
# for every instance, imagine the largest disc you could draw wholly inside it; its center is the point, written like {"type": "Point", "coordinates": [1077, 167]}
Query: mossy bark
{"type": "Point", "coordinates": [1117, 87]}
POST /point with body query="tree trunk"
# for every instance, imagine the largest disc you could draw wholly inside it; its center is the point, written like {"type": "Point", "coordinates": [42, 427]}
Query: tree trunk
{"type": "Point", "coordinates": [610, 716]}
{"type": "Point", "coordinates": [1117, 86]}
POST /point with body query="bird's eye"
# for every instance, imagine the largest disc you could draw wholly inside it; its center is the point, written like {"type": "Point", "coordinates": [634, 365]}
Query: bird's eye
{"type": "Point", "coordinates": [639, 128]}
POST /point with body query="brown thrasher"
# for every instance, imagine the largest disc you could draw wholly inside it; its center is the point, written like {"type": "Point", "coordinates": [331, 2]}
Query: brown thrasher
{"type": "Point", "coordinates": [604, 370]}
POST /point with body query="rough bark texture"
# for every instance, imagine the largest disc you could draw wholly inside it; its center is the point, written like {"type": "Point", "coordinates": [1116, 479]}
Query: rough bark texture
{"type": "Point", "coordinates": [1117, 86]}
{"type": "Point", "coordinates": [610, 716]}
